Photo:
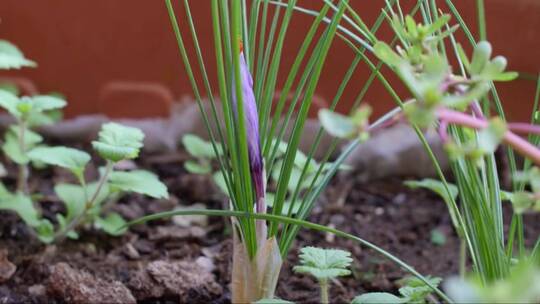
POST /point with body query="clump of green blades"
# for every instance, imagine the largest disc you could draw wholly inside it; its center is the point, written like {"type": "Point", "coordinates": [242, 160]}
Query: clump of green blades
{"type": "Point", "coordinates": [457, 104]}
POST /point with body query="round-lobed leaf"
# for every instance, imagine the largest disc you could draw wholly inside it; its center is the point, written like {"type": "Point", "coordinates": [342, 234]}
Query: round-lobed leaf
{"type": "Point", "coordinates": [139, 181]}
{"type": "Point", "coordinates": [117, 142]}
{"type": "Point", "coordinates": [68, 158]}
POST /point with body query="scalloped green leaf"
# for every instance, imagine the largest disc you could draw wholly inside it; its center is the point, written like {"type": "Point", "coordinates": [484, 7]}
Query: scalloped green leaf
{"type": "Point", "coordinates": [72, 159]}
{"type": "Point", "coordinates": [139, 181]}
{"type": "Point", "coordinates": [197, 167]}
{"type": "Point", "coordinates": [198, 147]}
{"type": "Point", "coordinates": [9, 102]}
{"type": "Point", "coordinates": [117, 142]}
{"type": "Point", "coordinates": [12, 58]}
{"type": "Point", "coordinates": [378, 298]}
{"type": "Point", "coordinates": [41, 103]}
{"type": "Point", "coordinates": [112, 224]}
{"type": "Point", "coordinates": [337, 125]}
{"type": "Point", "coordinates": [22, 205]}
{"type": "Point", "coordinates": [12, 148]}
{"type": "Point", "coordinates": [324, 264]}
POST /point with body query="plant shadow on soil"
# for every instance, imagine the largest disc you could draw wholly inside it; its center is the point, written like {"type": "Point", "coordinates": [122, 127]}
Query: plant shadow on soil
{"type": "Point", "coordinates": [165, 262]}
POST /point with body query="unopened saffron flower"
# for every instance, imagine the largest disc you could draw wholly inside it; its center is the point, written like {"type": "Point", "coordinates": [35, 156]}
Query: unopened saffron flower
{"type": "Point", "coordinates": [251, 118]}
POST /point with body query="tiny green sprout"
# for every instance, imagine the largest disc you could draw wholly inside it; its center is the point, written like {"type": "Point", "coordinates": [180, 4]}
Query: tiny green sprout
{"type": "Point", "coordinates": [524, 201]}
{"type": "Point", "coordinates": [324, 265]}
{"type": "Point", "coordinates": [437, 237]}
{"type": "Point", "coordinates": [202, 151]}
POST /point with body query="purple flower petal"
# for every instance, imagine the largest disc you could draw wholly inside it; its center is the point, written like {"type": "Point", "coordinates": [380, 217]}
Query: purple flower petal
{"type": "Point", "coordinates": [251, 117]}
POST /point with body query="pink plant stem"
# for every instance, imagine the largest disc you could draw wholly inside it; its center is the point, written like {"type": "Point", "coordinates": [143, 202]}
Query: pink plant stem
{"type": "Point", "coordinates": [524, 128]}
{"type": "Point", "coordinates": [443, 133]}
{"type": "Point", "coordinates": [388, 123]}
{"type": "Point", "coordinates": [519, 144]}
{"type": "Point", "coordinates": [475, 108]}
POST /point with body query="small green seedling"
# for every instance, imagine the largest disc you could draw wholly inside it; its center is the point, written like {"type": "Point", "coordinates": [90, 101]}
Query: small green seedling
{"type": "Point", "coordinates": [28, 112]}
{"type": "Point", "coordinates": [413, 291]}
{"type": "Point", "coordinates": [437, 237]}
{"type": "Point", "coordinates": [203, 156]}
{"type": "Point", "coordinates": [522, 200]}
{"type": "Point", "coordinates": [86, 202]}
{"type": "Point", "coordinates": [325, 265]}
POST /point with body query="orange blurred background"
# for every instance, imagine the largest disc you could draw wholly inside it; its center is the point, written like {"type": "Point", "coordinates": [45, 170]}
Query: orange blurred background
{"type": "Point", "coordinates": [120, 57]}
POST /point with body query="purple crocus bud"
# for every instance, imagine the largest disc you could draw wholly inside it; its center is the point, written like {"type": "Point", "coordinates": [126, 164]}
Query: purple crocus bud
{"type": "Point", "coordinates": [252, 129]}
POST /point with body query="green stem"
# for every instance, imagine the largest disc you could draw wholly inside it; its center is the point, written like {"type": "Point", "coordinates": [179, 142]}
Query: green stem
{"type": "Point", "coordinates": [22, 178]}
{"type": "Point", "coordinates": [61, 234]}
{"type": "Point", "coordinates": [324, 291]}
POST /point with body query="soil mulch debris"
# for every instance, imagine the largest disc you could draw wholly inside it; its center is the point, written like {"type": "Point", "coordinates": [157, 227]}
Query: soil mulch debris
{"type": "Point", "coordinates": [188, 260]}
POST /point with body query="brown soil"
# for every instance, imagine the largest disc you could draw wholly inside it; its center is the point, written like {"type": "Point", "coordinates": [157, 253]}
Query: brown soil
{"type": "Point", "coordinates": [161, 262]}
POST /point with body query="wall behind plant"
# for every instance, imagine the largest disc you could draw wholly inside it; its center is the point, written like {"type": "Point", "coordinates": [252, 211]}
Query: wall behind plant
{"type": "Point", "coordinates": [120, 57]}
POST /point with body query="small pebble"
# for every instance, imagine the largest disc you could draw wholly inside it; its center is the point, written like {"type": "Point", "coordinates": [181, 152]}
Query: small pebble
{"type": "Point", "coordinates": [205, 263]}
{"type": "Point", "coordinates": [37, 290]}
{"type": "Point", "coordinates": [131, 252]}
{"type": "Point", "coordinates": [7, 269]}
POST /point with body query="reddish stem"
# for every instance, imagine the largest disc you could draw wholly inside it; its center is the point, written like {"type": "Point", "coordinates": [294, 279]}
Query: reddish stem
{"type": "Point", "coordinates": [524, 128]}
{"type": "Point", "coordinates": [443, 126]}
{"type": "Point", "coordinates": [519, 144]}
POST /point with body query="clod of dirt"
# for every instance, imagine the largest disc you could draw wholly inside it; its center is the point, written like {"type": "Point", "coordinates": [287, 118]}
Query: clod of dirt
{"type": "Point", "coordinates": [76, 286]}
{"type": "Point", "coordinates": [7, 269]}
{"type": "Point", "coordinates": [183, 281]}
